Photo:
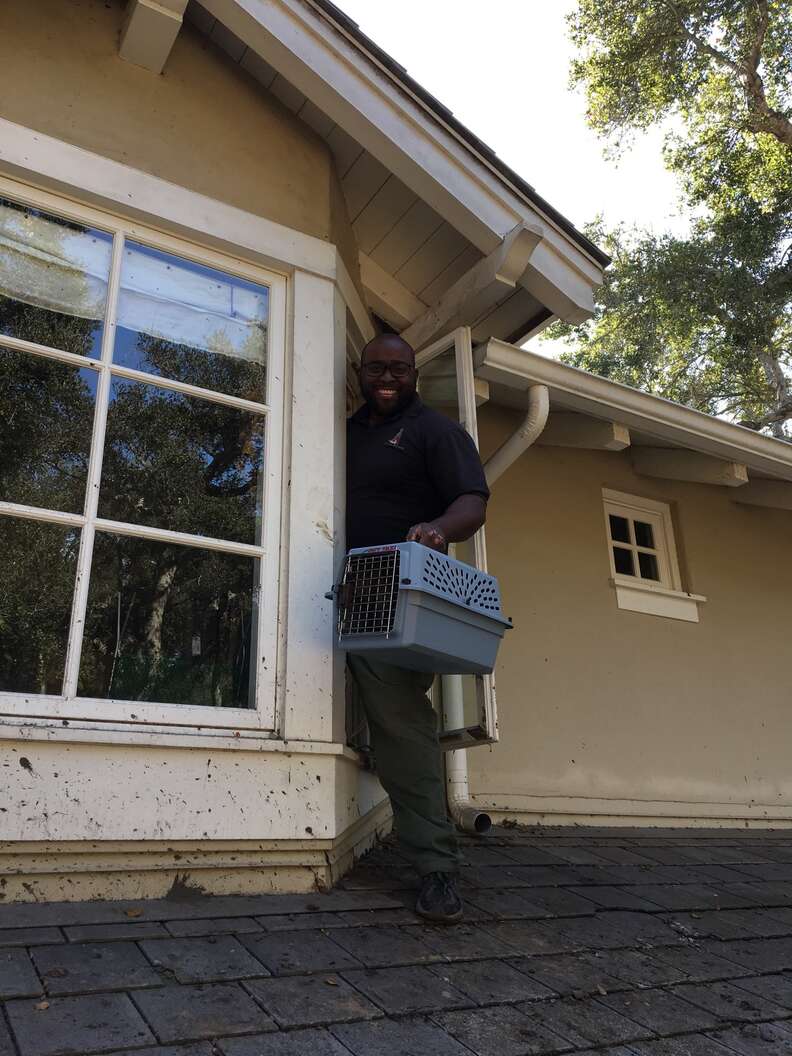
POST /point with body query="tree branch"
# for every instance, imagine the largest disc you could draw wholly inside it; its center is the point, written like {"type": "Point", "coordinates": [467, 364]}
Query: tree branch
{"type": "Point", "coordinates": [701, 45]}
{"type": "Point", "coordinates": [755, 53]}
{"type": "Point", "coordinates": [763, 117]}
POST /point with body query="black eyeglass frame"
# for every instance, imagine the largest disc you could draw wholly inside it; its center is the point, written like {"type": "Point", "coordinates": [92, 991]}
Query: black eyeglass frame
{"type": "Point", "coordinates": [397, 369]}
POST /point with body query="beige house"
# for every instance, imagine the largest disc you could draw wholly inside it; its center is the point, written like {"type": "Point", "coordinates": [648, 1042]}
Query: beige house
{"type": "Point", "coordinates": [205, 210]}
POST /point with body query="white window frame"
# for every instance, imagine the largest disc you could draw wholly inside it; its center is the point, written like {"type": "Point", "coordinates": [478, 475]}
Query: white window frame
{"type": "Point", "coordinates": [69, 707]}
{"type": "Point", "coordinates": [460, 341]}
{"type": "Point", "coordinates": [663, 597]}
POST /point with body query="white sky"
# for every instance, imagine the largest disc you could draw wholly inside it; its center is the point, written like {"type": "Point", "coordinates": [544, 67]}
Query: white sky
{"type": "Point", "coordinates": [502, 67]}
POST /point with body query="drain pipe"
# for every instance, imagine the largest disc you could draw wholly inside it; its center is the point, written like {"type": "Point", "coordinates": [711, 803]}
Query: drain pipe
{"type": "Point", "coordinates": [523, 436]}
{"type": "Point", "coordinates": [467, 816]}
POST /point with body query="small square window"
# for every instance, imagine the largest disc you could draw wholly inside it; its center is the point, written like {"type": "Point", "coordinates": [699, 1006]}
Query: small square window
{"type": "Point", "coordinates": [643, 557]}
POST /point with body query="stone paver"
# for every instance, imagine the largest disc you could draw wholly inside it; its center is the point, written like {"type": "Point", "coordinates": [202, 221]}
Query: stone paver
{"type": "Point", "coordinates": [619, 942]}
{"type": "Point", "coordinates": [765, 1039]}
{"type": "Point", "coordinates": [690, 1045]}
{"type": "Point", "coordinates": [30, 936]}
{"type": "Point", "coordinates": [776, 988]}
{"type": "Point", "coordinates": [182, 929]}
{"type": "Point", "coordinates": [503, 1031]}
{"type": "Point", "coordinates": [189, 1013]}
{"type": "Point", "coordinates": [382, 1037]}
{"type": "Point", "coordinates": [17, 975]}
{"type": "Point", "coordinates": [492, 982]}
{"type": "Point", "coordinates": [663, 1012]}
{"type": "Point", "coordinates": [78, 1025]}
{"type": "Point", "coordinates": [213, 959]}
{"type": "Point", "coordinates": [398, 991]}
{"type": "Point", "coordinates": [307, 1001]}
{"type": "Point", "coordinates": [79, 968]}
{"type": "Point", "coordinates": [729, 1002]}
{"type": "Point", "coordinates": [147, 929]}
{"type": "Point", "coordinates": [585, 1022]}
{"type": "Point", "coordinates": [385, 947]}
{"type": "Point", "coordinates": [200, 1048]}
{"type": "Point", "coordinates": [295, 1043]}
{"type": "Point", "coordinates": [570, 973]}
{"type": "Point", "coordinates": [299, 953]}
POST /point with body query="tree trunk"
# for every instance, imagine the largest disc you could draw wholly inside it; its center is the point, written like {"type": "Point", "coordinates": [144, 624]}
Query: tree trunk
{"type": "Point", "coordinates": [152, 632]}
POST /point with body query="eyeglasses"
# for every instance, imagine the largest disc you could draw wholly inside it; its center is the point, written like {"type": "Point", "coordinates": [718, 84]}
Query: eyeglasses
{"type": "Point", "coordinates": [376, 368]}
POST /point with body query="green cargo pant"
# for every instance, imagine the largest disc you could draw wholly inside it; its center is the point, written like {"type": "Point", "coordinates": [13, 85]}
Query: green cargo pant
{"type": "Point", "coordinates": [403, 728]}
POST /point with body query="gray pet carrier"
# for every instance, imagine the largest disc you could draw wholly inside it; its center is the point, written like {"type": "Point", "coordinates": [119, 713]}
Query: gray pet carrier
{"type": "Point", "coordinates": [417, 608]}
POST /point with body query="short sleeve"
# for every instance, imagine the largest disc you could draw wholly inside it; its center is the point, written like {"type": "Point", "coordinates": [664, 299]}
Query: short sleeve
{"type": "Point", "coordinates": [454, 465]}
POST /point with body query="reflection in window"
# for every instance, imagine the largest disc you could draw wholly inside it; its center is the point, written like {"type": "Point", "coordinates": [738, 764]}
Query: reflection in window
{"type": "Point", "coordinates": [647, 563]}
{"type": "Point", "coordinates": [623, 561]}
{"type": "Point", "coordinates": [643, 534]}
{"type": "Point", "coordinates": [168, 624]}
{"type": "Point", "coordinates": [192, 323]}
{"type": "Point", "coordinates": [185, 464]}
{"type": "Point", "coordinates": [620, 529]}
{"type": "Point", "coordinates": [53, 280]}
{"type": "Point", "coordinates": [47, 411]}
{"type": "Point", "coordinates": [39, 563]}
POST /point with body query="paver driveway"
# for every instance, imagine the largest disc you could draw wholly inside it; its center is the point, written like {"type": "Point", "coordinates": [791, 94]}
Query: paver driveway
{"type": "Point", "coordinates": [624, 942]}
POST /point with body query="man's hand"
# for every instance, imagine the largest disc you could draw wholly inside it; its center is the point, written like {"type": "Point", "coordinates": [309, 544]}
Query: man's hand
{"type": "Point", "coordinates": [428, 534]}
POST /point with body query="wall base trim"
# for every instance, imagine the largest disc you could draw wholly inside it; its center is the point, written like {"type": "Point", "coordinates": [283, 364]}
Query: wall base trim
{"type": "Point", "coordinates": [75, 870]}
{"type": "Point", "coordinates": [529, 810]}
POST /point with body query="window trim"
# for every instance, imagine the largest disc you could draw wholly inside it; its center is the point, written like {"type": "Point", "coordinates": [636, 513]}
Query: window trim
{"type": "Point", "coordinates": [68, 706]}
{"type": "Point", "coordinates": [666, 597]}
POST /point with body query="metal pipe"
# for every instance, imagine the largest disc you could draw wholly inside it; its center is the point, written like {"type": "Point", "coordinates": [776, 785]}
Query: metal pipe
{"type": "Point", "coordinates": [523, 436]}
{"type": "Point", "coordinates": [467, 816]}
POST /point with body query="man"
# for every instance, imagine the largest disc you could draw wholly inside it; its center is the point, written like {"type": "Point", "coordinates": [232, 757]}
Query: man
{"type": "Point", "coordinates": [411, 474]}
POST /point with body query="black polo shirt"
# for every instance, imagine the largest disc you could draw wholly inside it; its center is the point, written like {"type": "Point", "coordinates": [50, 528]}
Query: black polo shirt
{"type": "Point", "coordinates": [408, 469]}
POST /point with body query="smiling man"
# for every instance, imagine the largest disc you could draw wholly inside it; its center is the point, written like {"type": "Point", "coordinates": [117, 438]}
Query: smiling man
{"type": "Point", "coordinates": [412, 474]}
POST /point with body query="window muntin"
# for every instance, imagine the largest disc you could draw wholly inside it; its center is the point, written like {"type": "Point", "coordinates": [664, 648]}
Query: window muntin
{"type": "Point", "coordinates": [225, 434]}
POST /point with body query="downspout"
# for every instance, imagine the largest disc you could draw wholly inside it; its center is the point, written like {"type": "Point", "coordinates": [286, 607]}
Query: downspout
{"type": "Point", "coordinates": [467, 816]}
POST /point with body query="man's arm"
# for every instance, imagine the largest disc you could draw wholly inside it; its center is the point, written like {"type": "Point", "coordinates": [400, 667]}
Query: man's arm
{"type": "Point", "coordinates": [462, 519]}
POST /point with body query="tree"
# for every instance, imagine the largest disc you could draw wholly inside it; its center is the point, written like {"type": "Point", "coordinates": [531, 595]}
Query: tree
{"type": "Point", "coordinates": [705, 319]}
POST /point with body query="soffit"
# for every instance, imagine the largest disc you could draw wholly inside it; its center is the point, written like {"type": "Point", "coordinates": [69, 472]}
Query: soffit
{"type": "Point", "coordinates": [421, 253]}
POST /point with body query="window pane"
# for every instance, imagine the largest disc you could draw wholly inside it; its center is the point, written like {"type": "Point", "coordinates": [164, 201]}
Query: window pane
{"type": "Point", "coordinates": [191, 323]}
{"type": "Point", "coordinates": [53, 280]}
{"type": "Point", "coordinates": [38, 562]}
{"type": "Point", "coordinates": [46, 416]}
{"type": "Point", "coordinates": [619, 529]}
{"type": "Point", "coordinates": [648, 566]}
{"type": "Point", "coordinates": [437, 385]}
{"type": "Point", "coordinates": [644, 536]}
{"type": "Point", "coordinates": [181, 463]}
{"type": "Point", "coordinates": [170, 624]}
{"type": "Point", "coordinates": [623, 561]}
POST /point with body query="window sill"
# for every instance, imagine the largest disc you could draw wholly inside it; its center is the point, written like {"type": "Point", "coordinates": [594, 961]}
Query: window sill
{"type": "Point", "coordinates": [19, 728]}
{"type": "Point", "coordinates": [657, 601]}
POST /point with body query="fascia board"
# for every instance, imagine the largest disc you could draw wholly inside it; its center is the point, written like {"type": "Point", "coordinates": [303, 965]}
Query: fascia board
{"type": "Point", "coordinates": [574, 389]}
{"type": "Point", "coordinates": [357, 92]}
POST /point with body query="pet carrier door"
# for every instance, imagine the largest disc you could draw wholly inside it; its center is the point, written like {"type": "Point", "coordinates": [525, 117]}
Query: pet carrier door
{"type": "Point", "coordinates": [466, 703]}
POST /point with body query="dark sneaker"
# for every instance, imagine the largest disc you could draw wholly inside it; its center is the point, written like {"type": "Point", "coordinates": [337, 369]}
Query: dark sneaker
{"type": "Point", "coordinates": [439, 900]}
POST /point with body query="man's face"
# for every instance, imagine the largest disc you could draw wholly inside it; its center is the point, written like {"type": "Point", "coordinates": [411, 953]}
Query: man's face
{"type": "Point", "coordinates": [388, 375]}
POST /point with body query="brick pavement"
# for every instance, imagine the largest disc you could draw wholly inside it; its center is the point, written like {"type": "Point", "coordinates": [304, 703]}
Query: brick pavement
{"type": "Point", "coordinates": [623, 942]}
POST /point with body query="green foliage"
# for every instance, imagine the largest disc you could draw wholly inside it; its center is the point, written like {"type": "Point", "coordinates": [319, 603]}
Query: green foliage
{"type": "Point", "coordinates": [706, 319]}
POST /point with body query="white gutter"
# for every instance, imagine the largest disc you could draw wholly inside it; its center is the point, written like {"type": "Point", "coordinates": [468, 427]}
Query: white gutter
{"type": "Point", "coordinates": [467, 816]}
{"type": "Point", "coordinates": [576, 390]}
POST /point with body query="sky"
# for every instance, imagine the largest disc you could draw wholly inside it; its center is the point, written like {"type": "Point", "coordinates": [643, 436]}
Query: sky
{"type": "Point", "coordinates": [502, 67]}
